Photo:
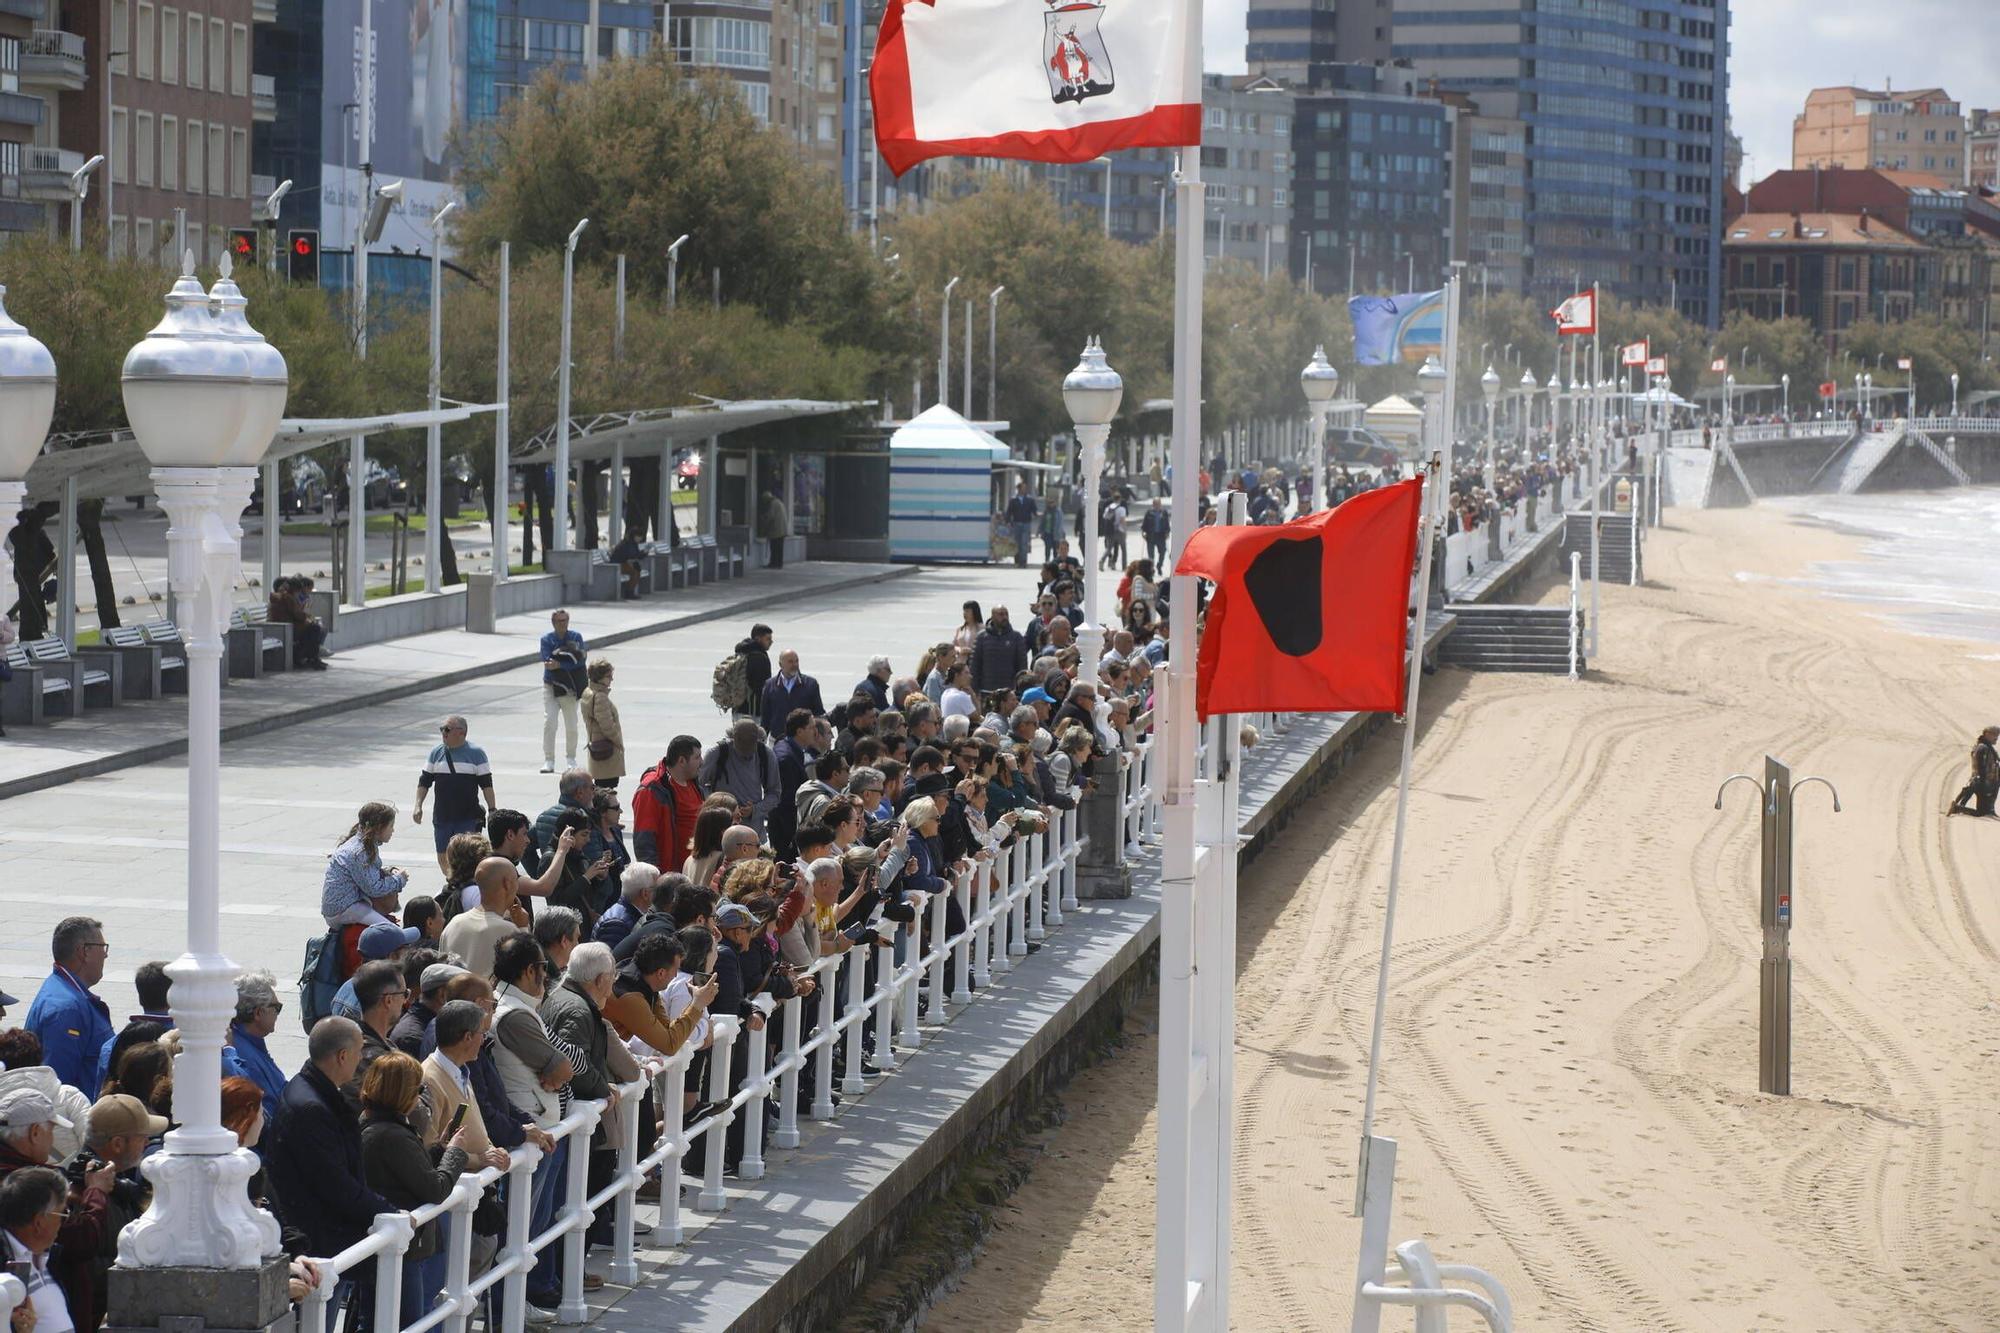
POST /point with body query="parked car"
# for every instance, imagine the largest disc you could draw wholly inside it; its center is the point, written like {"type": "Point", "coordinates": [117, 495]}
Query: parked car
{"type": "Point", "coordinates": [1358, 444]}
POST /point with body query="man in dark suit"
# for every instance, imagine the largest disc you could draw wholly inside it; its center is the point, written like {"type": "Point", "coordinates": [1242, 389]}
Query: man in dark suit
{"type": "Point", "coordinates": [785, 691]}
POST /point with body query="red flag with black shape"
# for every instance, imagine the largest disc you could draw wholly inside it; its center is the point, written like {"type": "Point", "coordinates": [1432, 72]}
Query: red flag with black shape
{"type": "Point", "coordinates": [1310, 616]}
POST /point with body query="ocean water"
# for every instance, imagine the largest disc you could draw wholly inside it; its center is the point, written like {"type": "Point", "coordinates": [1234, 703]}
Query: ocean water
{"type": "Point", "coordinates": [1928, 563]}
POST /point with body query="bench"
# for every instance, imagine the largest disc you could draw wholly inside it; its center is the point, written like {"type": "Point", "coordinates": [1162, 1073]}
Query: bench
{"type": "Point", "coordinates": [256, 647]}
{"type": "Point", "coordinates": [587, 575]}
{"type": "Point", "coordinates": [672, 566]}
{"type": "Point", "coordinates": [97, 671]}
{"type": "Point", "coordinates": [152, 670]}
{"type": "Point", "coordinates": [37, 690]}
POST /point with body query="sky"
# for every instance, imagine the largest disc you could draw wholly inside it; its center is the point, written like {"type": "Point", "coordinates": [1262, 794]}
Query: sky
{"type": "Point", "coordinates": [1783, 49]}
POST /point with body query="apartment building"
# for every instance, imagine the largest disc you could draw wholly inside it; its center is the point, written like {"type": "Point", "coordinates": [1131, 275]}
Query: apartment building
{"type": "Point", "coordinates": [23, 112]}
{"type": "Point", "coordinates": [1859, 128]}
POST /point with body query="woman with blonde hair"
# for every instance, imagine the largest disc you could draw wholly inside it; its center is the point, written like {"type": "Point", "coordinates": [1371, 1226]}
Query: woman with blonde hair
{"type": "Point", "coordinates": [358, 890]}
{"type": "Point", "coordinates": [601, 728]}
{"type": "Point", "coordinates": [748, 878]}
{"type": "Point", "coordinates": [933, 667]}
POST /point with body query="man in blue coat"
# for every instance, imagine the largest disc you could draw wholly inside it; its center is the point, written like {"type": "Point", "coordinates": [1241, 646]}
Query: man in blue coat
{"type": "Point", "coordinates": [72, 1023]}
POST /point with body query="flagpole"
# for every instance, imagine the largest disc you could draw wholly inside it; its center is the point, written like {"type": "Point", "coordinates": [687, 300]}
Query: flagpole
{"type": "Point", "coordinates": [1597, 484]}
{"type": "Point", "coordinates": [1197, 1003]}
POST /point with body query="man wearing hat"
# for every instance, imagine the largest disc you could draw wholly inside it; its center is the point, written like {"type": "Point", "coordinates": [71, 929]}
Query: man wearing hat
{"type": "Point", "coordinates": [28, 1124]}
{"type": "Point", "coordinates": [121, 1128]}
{"type": "Point", "coordinates": [412, 1033]}
{"type": "Point", "coordinates": [381, 942]}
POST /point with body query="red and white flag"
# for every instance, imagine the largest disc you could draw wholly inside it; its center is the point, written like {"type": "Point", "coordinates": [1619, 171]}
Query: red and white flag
{"type": "Point", "coordinates": [1636, 354]}
{"type": "Point", "coordinates": [1903, 363]}
{"type": "Point", "coordinates": [1720, 365]}
{"type": "Point", "coordinates": [1064, 83]}
{"type": "Point", "coordinates": [1577, 315]}
{"type": "Point", "coordinates": [1656, 366]}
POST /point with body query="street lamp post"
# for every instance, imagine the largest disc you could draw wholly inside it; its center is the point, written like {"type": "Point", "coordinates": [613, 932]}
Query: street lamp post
{"type": "Point", "coordinates": [434, 433]}
{"type": "Point", "coordinates": [993, 351]}
{"type": "Point", "coordinates": [204, 392]}
{"type": "Point", "coordinates": [944, 346]}
{"type": "Point", "coordinates": [27, 404]}
{"type": "Point", "coordinates": [272, 203]}
{"type": "Point", "coordinates": [1105, 162]}
{"type": "Point", "coordinates": [1868, 393]}
{"type": "Point", "coordinates": [1954, 393]}
{"type": "Point", "coordinates": [1528, 388]}
{"type": "Point", "coordinates": [1489, 385]}
{"type": "Point", "coordinates": [674, 271]}
{"type": "Point", "coordinates": [560, 502]}
{"type": "Point", "coordinates": [1785, 387]}
{"type": "Point", "coordinates": [1092, 393]}
{"type": "Point", "coordinates": [1321, 382]}
{"type": "Point", "coordinates": [79, 190]}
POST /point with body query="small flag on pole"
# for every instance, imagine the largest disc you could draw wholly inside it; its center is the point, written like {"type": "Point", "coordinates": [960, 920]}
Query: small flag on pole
{"type": "Point", "coordinates": [1657, 366]}
{"type": "Point", "coordinates": [1309, 617]}
{"type": "Point", "coordinates": [1578, 315]}
{"type": "Point", "coordinates": [1828, 389]}
{"type": "Point", "coordinates": [1636, 354]}
{"type": "Point", "coordinates": [1392, 329]}
{"type": "Point", "coordinates": [1904, 363]}
{"type": "Point", "coordinates": [1720, 365]}
{"type": "Point", "coordinates": [999, 78]}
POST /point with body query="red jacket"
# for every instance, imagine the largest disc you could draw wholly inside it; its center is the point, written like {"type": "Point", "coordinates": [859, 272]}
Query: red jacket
{"type": "Point", "coordinates": [663, 815]}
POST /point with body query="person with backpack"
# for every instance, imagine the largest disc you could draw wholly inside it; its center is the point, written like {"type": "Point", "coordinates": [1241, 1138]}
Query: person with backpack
{"type": "Point", "coordinates": [738, 682]}
{"type": "Point", "coordinates": [563, 658]}
{"type": "Point", "coordinates": [745, 767]}
{"type": "Point", "coordinates": [1111, 531]}
{"type": "Point", "coordinates": [667, 804]}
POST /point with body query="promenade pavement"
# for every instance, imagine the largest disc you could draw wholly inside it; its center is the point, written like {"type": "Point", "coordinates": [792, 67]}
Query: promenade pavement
{"type": "Point", "coordinates": [114, 844]}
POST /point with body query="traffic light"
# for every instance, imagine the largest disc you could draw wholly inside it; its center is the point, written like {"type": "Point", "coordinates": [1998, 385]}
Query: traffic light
{"type": "Point", "coordinates": [243, 246]}
{"type": "Point", "coordinates": [302, 256]}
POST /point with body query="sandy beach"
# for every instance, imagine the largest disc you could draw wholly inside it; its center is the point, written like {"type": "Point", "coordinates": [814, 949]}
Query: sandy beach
{"type": "Point", "coordinates": [1571, 1062]}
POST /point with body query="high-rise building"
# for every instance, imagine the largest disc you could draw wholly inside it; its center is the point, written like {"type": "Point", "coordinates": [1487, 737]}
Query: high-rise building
{"type": "Point", "coordinates": [1624, 105]}
{"type": "Point", "coordinates": [1859, 128]}
{"type": "Point", "coordinates": [1246, 170]}
{"type": "Point", "coordinates": [1489, 191]}
{"type": "Point", "coordinates": [1371, 182]}
{"type": "Point", "coordinates": [1295, 43]}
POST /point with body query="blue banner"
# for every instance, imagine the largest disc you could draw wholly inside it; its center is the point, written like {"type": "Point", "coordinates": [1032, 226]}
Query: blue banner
{"type": "Point", "coordinates": [1392, 329]}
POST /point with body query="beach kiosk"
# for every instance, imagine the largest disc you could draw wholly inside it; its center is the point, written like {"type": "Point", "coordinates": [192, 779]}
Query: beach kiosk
{"type": "Point", "coordinates": [941, 490]}
{"type": "Point", "coordinates": [1398, 421]}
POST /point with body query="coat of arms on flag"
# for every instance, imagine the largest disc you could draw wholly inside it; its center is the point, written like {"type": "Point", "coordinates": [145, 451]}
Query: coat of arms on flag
{"type": "Point", "coordinates": [1903, 363]}
{"type": "Point", "coordinates": [1636, 354]}
{"type": "Point", "coordinates": [1073, 51]}
{"type": "Point", "coordinates": [1720, 365]}
{"type": "Point", "coordinates": [1657, 366]}
{"type": "Point", "coordinates": [1578, 315]}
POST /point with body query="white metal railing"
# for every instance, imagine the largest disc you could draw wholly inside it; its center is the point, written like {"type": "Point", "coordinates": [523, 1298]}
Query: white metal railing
{"type": "Point", "coordinates": [53, 44]}
{"type": "Point", "coordinates": [1575, 613]}
{"type": "Point", "coordinates": [1466, 554]}
{"type": "Point", "coordinates": [39, 158]}
{"type": "Point", "coordinates": [1008, 897]}
{"type": "Point", "coordinates": [1135, 778]}
{"type": "Point", "coordinates": [1958, 425]}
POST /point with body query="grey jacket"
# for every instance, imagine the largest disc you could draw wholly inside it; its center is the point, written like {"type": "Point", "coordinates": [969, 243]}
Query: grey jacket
{"type": "Point", "coordinates": [751, 779]}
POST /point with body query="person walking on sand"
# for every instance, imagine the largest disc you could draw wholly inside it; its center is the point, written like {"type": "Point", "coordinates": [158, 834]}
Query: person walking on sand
{"type": "Point", "coordinates": [1985, 783]}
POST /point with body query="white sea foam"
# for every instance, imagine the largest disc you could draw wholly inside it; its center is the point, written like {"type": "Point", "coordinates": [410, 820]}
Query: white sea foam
{"type": "Point", "coordinates": [1928, 559]}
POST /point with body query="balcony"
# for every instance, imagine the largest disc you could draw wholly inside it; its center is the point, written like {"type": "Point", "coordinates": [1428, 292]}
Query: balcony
{"type": "Point", "coordinates": [22, 9]}
{"type": "Point", "coordinates": [17, 214]}
{"type": "Point", "coordinates": [20, 109]}
{"type": "Point", "coordinates": [263, 98]}
{"type": "Point", "coordinates": [45, 172]}
{"type": "Point", "coordinates": [261, 11]}
{"type": "Point", "coordinates": [52, 59]}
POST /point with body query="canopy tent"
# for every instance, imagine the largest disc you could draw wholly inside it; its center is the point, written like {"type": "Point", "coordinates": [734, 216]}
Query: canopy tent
{"type": "Point", "coordinates": [1656, 396]}
{"type": "Point", "coordinates": [1396, 419]}
{"type": "Point", "coordinates": [595, 438]}
{"type": "Point", "coordinates": [941, 487]}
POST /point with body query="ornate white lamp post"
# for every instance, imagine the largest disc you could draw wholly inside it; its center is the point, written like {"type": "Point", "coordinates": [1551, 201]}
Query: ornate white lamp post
{"type": "Point", "coordinates": [27, 403]}
{"type": "Point", "coordinates": [1528, 389]}
{"type": "Point", "coordinates": [1092, 393]}
{"type": "Point", "coordinates": [203, 392]}
{"type": "Point", "coordinates": [1954, 393]}
{"type": "Point", "coordinates": [1321, 382]}
{"type": "Point", "coordinates": [1489, 385]}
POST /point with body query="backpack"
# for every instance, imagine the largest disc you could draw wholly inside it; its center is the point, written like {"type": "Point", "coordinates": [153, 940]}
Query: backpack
{"type": "Point", "coordinates": [1107, 520]}
{"type": "Point", "coordinates": [730, 684]}
{"type": "Point", "coordinates": [319, 979]}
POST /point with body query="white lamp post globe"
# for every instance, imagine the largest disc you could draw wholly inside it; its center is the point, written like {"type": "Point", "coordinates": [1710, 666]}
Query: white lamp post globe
{"type": "Point", "coordinates": [1489, 384]}
{"type": "Point", "coordinates": [27, 395]}
{"type": "Point", "coordinates": [1319, 379]}
{"type": "Point", "coordinates": [187, 387]}
{"type": "Point", "coordinates": [270, 381]}
{"type": "Point", "coordinates": [1528, 384]}
{"type": "Point", "coordinates": [1093, 391]}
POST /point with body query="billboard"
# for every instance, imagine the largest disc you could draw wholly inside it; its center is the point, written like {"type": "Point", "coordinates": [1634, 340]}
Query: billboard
{"type": "Point", "coordinates": [419, 67]}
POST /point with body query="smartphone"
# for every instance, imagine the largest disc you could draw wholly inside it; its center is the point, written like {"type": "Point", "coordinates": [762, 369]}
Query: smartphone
{"type": "Point", "coordinates": [457, 1120]}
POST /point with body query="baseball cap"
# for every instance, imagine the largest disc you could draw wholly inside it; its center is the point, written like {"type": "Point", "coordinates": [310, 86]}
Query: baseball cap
{"type": "Point", "coordinates": [437, 974]}
{"type": "Point", "coordinates": [25, 1106]}
{"type": "Point", "coordinates": [382, 939]}
{"type": "Point", "coordinates": [1037, 695]}
{"type": "Point", "coordinates": [730, 915]}
{"type": "Point", "coordinates": [6, 999]}
{"type": "Point", "coordinates": [121, 1113]}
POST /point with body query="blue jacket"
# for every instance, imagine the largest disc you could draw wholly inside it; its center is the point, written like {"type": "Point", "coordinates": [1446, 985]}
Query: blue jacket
{"type": "Point", "coordinates": [246, 1056]}
{"type": "Point", "coordinates": [573, 641]}
{"type": "Point", "coordinates": [104, 1052]}
{"type": "Point", "coordinates": [73, 1026]}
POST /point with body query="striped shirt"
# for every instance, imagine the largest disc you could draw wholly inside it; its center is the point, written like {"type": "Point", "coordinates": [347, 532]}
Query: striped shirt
{"type": "Point", "coordinates": [458, 776]}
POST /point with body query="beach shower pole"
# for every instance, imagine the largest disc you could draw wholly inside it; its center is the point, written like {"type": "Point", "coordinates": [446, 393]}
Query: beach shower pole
{"type": "Point", "coordinates": [1774, 995]}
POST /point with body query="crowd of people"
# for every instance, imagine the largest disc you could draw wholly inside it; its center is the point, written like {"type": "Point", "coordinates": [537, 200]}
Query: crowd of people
{"type": "Point", "coordinates": [564, 954]}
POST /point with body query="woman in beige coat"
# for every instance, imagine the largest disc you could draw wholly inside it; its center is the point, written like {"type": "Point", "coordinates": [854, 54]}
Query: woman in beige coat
{"type": "Point", "coordinates": [601, 729]}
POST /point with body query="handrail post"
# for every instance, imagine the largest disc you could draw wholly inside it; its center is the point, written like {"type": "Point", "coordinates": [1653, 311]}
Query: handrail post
{"type": "Point", "coordinates": [576, 1213]}
{"type": "Point", "coordinates": [982, 934]}
{"type": "Point", "coordinates": [1031, 868]}
{"type": "Point", "coordinates": [669, 1089]}
{"type": "Point", "coordinates": [884, 1001]}
{"type": "Point", "coordinates": [520, 1198]}
{"type": "Point", "coordinates": [786, 1135]}
{"type": "Point", "coordinates": [716, 1127]}
{"type": "Point", "coordinates": [389, 1269]}
{"type": "Point", "coordinates": [1018, 889]}
{"type": "Point", "coordinates": [940, 947]}
{"type": "Point", "coordinates": [1048, 889]}
{"type": "Point", "coordinates": [625, 1206]}
{"type": "Point", "coordinates": [1000, 912]}
{"type": "Point", "coordinates": [1071, 846]}
{"type": "Point", "coordinates": [458, 1260]}
{"type": "Point", "coordinates": [751, 1165]}
{"type": "Point", "coordinates": [822, 1107]}
{"type": "Point", "coordinates": [961, 948]}
{"type": "Point", "coordinates": [855, 960]}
